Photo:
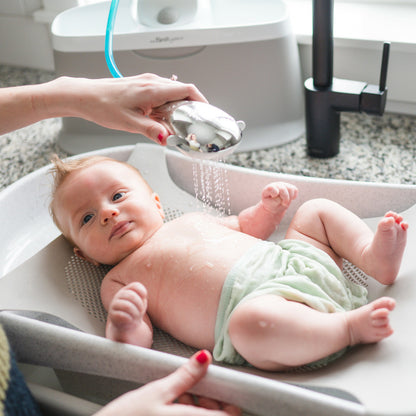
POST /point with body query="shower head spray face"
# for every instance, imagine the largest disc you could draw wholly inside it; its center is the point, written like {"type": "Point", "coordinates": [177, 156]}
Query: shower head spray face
{"type": "Point", "coordinates": [200, 130]}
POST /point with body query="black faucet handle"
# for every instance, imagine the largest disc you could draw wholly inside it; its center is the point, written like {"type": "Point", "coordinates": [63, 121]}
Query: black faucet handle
{"type": "Point", "coordinates": [384, 66]}
{"type": "Point", "coordinates": [373, 97]}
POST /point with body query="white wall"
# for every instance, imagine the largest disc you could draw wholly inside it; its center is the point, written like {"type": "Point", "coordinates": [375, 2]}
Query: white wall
{"type": "Point", "coordinates": [25, 31]}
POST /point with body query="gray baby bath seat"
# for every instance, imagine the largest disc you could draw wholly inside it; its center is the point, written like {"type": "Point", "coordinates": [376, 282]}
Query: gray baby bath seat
{"type": "Point", "coordinates": [62, 293]}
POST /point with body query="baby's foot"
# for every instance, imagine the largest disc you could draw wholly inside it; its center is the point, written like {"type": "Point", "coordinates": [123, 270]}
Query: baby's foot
{"type": "Point", "coordinates": [386, 250]}
{"type": "Point", "coordinates": [126, 311]}
{"type": "Point", "coordinates": [370, 323]}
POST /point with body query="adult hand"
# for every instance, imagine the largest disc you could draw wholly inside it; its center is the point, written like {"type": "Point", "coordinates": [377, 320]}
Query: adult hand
{"type": "Point", "coordinates": [126, 103]}
{"type": "Point", "coordinates": [157, 398]}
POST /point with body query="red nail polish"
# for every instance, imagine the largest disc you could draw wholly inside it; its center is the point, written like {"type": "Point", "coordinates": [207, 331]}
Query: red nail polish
{"type": "Point", "coordinates": [160, 137]}
{"type": "Point", "coordinates": [202, 357]}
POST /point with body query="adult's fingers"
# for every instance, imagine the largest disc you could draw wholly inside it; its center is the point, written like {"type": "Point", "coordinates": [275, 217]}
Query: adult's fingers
{"type": "Point", "coordinates": [186, 376]}
{"type": "Point", "coordinates": [150, 128]}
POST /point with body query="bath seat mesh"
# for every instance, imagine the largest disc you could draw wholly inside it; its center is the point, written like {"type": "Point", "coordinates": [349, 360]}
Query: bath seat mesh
{"type": "Point", "coordinates": [84, 280]}
{"type": "Point", "coordinates": [354, 274]}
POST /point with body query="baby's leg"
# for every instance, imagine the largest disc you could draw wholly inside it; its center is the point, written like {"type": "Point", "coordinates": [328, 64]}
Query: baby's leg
{"type": "Point", "coordinates": [127, 320]}
{"type": "Point", "coordinates": [336, 230]}
{"type": "Point", "coordinates": [274, 334]}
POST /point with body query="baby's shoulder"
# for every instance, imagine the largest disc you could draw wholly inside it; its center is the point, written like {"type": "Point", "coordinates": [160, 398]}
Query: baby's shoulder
{"type": "Point", "coordinates": [114, 274]}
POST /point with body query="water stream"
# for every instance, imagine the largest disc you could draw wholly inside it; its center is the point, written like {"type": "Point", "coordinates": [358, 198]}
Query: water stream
{"type": "Point", "coordinates": [211, 186]}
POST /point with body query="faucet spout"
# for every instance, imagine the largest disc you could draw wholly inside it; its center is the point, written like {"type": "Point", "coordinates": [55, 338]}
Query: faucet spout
{"type": "Point", "coordinates": [326, 96]}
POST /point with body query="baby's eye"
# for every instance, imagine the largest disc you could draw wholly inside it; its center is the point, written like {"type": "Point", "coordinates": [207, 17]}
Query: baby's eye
{"type": "Point", "coordinates": [118, 195]}
{"type": "Point", "coordinates": [86, 219]}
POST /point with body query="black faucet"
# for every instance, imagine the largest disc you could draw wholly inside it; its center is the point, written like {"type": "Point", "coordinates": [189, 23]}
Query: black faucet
{"type": "Point", "coordinates": [326, 97]}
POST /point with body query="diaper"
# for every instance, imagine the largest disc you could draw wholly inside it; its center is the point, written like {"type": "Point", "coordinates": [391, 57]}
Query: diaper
{"type": "Point", "coordinates": [292, 269]}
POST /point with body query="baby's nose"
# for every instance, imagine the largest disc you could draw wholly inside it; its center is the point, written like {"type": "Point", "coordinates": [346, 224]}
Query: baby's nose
{"type": "Point", "coordinates": [108, 213]}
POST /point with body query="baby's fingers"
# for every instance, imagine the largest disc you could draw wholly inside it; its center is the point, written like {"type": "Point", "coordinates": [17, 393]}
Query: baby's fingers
{"type": "Point", "coordinates": [132, 298]}
{"type": "Point", "coordinates": [270, 191]}
{"type": "Point", "coordinates": [137, 288]}
{"type": "Point", "coordinates": [284, 195]}
{"type": "Point", "coordinates": [277, 192]}
{"type": "Point", "coordinates": [293, 192]}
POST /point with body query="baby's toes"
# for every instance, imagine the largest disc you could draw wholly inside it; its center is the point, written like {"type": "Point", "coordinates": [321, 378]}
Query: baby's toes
{"type": "Point", "coordinates": [394, 215]}
{"type": "Point", "coordinates": [398, 219]}
{"type": "Point", "coordinates": [383, 302]}
{"type": "Point", "coordinates": [387, 223]}
{"type": "Point", "coordinates": [380, 317]}
{"type": "Point", "coordinates": [404, 225]}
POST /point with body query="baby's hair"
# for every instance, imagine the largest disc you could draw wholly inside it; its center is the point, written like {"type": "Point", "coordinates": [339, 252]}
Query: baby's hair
{"type": "Point", "coordinates": [61, 169]}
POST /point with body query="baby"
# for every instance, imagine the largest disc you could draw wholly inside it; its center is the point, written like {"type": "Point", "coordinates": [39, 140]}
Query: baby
{"type": "Point", "coordinates": [213, 282]}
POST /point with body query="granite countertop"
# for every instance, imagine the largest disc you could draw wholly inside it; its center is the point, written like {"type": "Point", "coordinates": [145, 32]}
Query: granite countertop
{"type": "Point", "coordinates": [374, 149]}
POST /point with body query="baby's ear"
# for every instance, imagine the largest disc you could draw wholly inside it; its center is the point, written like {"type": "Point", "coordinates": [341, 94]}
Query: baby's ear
{"type": "Point", "coordinates": [156, 198]}
{"type": "Point", "coordinates": [81, 255]}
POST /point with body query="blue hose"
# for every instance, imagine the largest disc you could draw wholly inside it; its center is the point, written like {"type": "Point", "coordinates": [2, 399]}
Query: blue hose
{"type": "Point", "coordinates": [109, 40]}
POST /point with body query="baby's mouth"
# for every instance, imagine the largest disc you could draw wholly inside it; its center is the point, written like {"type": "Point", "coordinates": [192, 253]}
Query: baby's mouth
{"type": "Point", "coordinates": [119, 229]}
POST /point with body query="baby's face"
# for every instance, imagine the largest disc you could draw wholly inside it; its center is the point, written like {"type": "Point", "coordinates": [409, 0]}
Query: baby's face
{"type": "Point", "coordinates": [107, 211]}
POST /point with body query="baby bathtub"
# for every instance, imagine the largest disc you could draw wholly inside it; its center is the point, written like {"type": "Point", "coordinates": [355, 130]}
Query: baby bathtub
{"type": "Point", "coordinates": [89, 366]}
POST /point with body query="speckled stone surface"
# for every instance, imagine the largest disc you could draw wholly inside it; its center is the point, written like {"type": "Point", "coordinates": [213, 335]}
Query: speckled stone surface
{"type": "Point", "coordinates": [374, 149]}
{"type": "Point", "coordinates": [29, 148]}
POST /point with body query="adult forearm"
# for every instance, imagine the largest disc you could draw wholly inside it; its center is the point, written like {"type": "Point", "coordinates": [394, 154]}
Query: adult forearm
{"type": "Point", "coordinates": [121, 104]}
{"type": "Point", "coordinates": [24, 105]}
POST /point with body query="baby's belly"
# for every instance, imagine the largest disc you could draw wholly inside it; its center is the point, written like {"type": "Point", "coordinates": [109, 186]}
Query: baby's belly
{"type": "Point", "coordinates": [192, 318]}
{"type": "Point", "coordinates": [186, 303]}
{"type": "Point", "coordinates": [184, 268]}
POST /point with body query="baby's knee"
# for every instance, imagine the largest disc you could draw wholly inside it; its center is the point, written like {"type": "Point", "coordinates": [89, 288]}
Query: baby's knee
{"type": "Point", "coordinates": [316, 206]}
{"type": "Point", "coordinates": [309, 218]}
{"type": "Point", "coordinates": [248, 321]}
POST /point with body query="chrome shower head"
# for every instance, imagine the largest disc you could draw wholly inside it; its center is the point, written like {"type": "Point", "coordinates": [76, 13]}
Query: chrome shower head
{"type": "Point", "coordinates": [200, 130]}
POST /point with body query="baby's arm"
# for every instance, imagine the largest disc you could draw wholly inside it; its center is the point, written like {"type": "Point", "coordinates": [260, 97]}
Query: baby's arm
{"type": "Point", "coordinates": [127, 319]}
{"type": "Point", "coordinates": [262, 219]}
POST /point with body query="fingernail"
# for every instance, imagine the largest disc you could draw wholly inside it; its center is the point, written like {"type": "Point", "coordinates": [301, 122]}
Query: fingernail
{"type": "Point", "coordinates": [160, 137]}
{"type": "Point", "coordinates": [202, 357]}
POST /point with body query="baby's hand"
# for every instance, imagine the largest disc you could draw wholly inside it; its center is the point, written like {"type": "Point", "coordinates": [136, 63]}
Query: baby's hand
{"type": "Point", "coordinates": [278, 195]}
{"type": "Point", "coordinates": [128, 306]}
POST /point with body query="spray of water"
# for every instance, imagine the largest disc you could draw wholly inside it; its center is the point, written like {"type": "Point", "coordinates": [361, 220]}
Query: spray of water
{"type": "Point", "coordinates": [211, 185]}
